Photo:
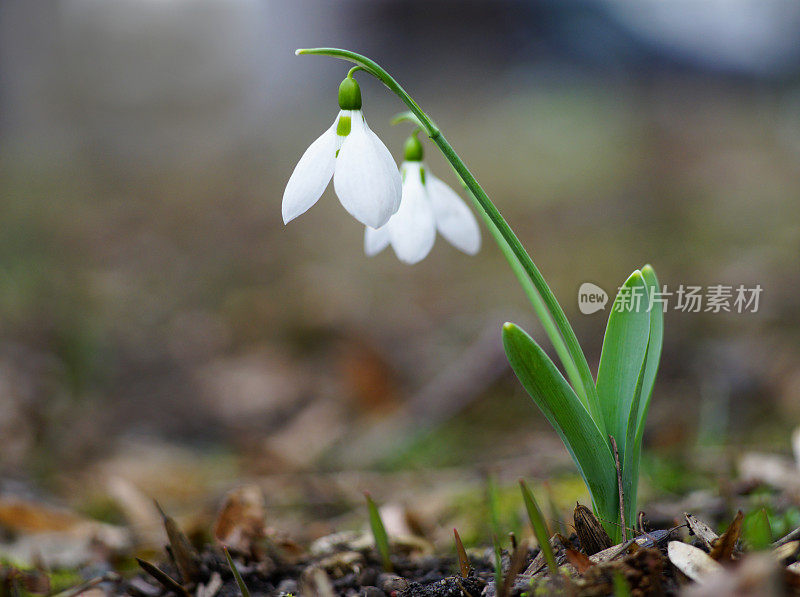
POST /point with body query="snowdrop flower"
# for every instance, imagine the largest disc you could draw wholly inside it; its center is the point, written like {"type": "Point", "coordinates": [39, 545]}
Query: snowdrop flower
{"type": "Point", "coordinates": [364, 173]}
{"type": "Point", "coordinates": [427, 205]}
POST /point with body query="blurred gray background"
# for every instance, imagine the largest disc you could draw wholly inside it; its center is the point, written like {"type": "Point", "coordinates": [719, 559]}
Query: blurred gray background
{"type": "Point", "coordinates": [153, 302]}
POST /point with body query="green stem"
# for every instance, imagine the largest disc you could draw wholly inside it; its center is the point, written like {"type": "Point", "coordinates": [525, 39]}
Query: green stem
{"type": "Point", "coordinates": [544, 302]}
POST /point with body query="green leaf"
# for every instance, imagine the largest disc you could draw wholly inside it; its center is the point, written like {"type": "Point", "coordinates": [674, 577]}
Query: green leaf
{"type": "Point", "coordinates": [756, 529]}
{"type": "Point", "coordinates": [239, 580]}
{"type": "Point", "coordinates": [379, 533]}
{"type": "Point", "coordinates": [563, 409]}
{"type": "Point", "coordinates": [622, 358]}
{"type": "Point", "coordinates": [498, 566]}
{"type": "Point", "coordinates": [539, 527]}
{"type": "Point", "coordinates": [653, 348]}
{"type": "Point", "coordinates": [644, 392]}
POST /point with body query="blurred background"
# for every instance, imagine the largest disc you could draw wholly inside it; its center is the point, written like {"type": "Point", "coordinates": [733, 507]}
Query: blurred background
{"type": "Point", "coordinates": [161, 326]}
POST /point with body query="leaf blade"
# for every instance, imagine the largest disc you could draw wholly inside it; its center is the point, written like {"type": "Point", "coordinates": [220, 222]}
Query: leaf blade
{"type": "Point", "coordinates": [622, 357]}
{"type": "Point", "coordinates": [567, 415]}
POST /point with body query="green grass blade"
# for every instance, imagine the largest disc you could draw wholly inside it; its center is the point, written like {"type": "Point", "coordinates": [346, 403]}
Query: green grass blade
{"type": "Point", "coordinates": [622, 357]}
{"type": "Point", "coordinates": [239, 580]}
{"type": "Point", "coordinates": [539, 528]}
{"type": "Point", "coordinates": [621, 586]}
{"type": "Point", "coordinates": [498, 567]}
{"type": "Point", "coordinates": [379, 533]}
{"type": "Point", "coordinates": [563, 409]}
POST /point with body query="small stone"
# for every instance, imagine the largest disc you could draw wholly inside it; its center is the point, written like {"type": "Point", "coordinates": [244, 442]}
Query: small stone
{"type": "Point", "coordinates": [372, 592]}
{"type": "Point", "coordinates": [392, 582]}
{"type": "Point", "coordinates": [287, 587]}
{"type": "Point", "coordinates": [368, 577]}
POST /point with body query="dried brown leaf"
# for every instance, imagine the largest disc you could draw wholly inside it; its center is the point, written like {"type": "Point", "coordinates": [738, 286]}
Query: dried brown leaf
{"type": "Point", "coordinates": [722, 549]}
{"type": "Point", "coordinates": [463, 561]}
{"type": "Point", "coordinates": [580, 560]}
{"type": "Point", "coordinates": [186, 557]}
{"type": "Point", "coordinates": [241, 522]}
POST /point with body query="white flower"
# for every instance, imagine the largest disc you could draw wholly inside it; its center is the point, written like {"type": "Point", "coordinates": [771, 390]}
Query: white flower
{"type": "Point", "coordinates": [428, 204]}
{"type": "Point", "coordinates": [364, 173]}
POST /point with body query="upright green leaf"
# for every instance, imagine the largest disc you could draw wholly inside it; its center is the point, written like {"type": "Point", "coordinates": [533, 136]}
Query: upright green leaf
{"type": "Point", "coordinates": [642, 396]}
{"type": "Point", "coordinates": [539, 527]}
{"type": "Point", "coordinates": [563, 409]}
{"type": "Point", "coordinates": [654, 345]}
{"type": "Point", "coordinates": [622, 357]}
{"type": "Point", "coordinates": [756, 529]}
{"type": "Point", "coordinates": [379, 533]}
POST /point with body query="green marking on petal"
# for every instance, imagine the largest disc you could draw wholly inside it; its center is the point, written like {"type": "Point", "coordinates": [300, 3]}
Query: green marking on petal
{"type": "Point", "coordinates": [336, 155]}
{"type": "Point", "coordinates": [343, 128]}
{"type": "Point", "coordinates": [422, 175]}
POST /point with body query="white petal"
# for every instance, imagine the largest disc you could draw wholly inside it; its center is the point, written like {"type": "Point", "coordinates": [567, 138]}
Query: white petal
{"type": "Point", "coordinates": [366, 178]}
{"type": "Point", "coordinates": [375, 240]}
{"type": "Point", "coordinates": [454, 219]}
{"type": "Point", "coordinates": [311, 175]}
{"type": "Point", "coordinates": [413, 228]}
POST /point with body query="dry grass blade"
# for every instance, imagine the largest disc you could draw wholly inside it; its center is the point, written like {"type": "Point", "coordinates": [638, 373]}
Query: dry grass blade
{"type": "Point", "coordinates": [793, 536]}
{"type": "Point", "coordinates": [722, 548]}
{"type": "Point", "coordinates": [185, 555]}
{"type": "Point", "coordinates": [239, 580]}
{"type": "Point", "coordinates": [463, 561]}
{"type": "Point", "coordinates": [591, 534]}
{"type": "Point", "coordinates": [619, 487]}
{"type": "Point", "coordinates": [164, 579]}
{"type": "Point", "coordinates": [89, 584]}
{"type": "Point", "coordinates": [514, 568]}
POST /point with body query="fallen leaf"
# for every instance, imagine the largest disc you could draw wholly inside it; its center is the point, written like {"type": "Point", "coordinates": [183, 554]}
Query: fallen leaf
{"type": "Point", "coordinates": [722, 548]}
{"type": "Point", "coordinates": [241, 521]}
{"type": "Point", "coordinates": [701, 530]}
{"type": "Point", "coordinates": [692, 561]}
{"type": "Point", "coordinates": [580, 560]}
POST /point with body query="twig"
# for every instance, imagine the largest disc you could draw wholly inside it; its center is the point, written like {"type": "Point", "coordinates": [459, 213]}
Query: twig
{"type": "Point", "coordinates": [619, 484]}
{"type": "Point", "coordinates": [794, 535]}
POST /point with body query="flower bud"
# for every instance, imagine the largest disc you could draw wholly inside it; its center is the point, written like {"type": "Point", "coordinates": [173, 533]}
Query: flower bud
{"type": "Point", "coordinates": [413, 149]}
{"type": "Point", "coordinates": [349, 94]}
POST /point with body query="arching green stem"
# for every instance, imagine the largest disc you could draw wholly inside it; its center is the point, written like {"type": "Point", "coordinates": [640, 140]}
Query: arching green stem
{"type": "Point", "coordinates": [544, 302]}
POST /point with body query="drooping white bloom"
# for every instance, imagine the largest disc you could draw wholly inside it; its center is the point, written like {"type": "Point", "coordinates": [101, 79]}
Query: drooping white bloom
{"type": "Point", "coordinates": [364, 173]}
{"type": "Point", "coordinates": [427, 205]}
